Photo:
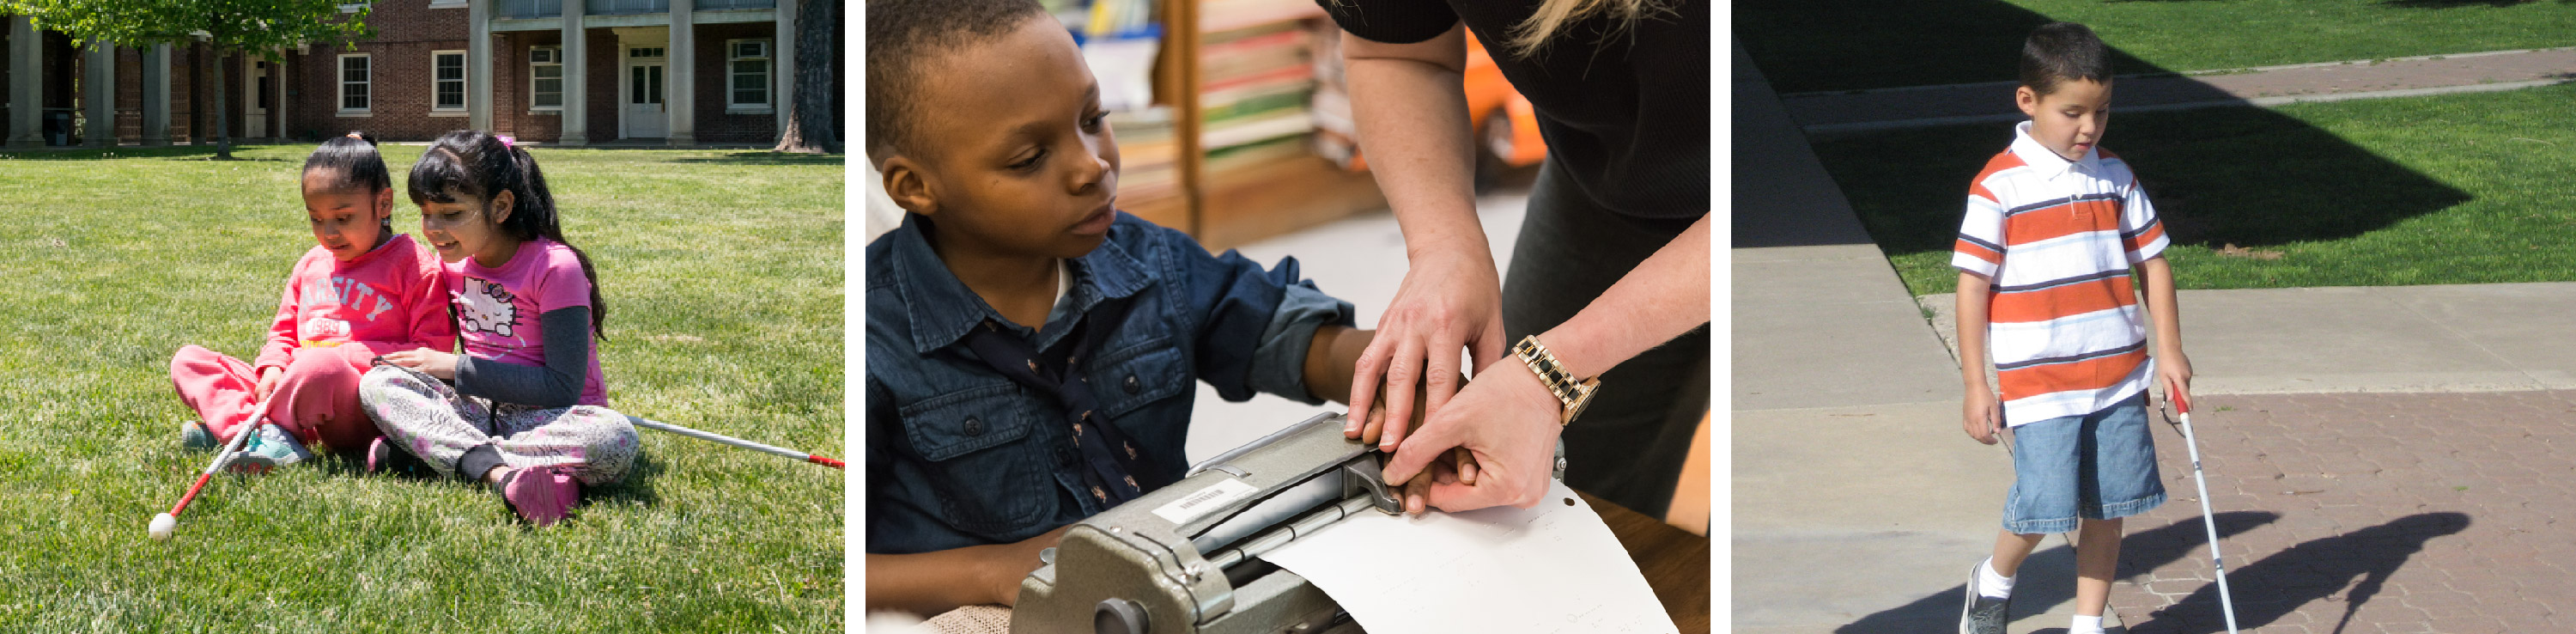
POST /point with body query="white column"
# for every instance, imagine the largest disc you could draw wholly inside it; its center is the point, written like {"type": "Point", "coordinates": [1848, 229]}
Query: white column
{"type": "Point", "coordinates": [26, 79]}
{"type": "Point", "coordinates": [277, 78]}
{"type": "Point", "coordinates": [98, 94]}
{"type": "Point", "coordinates": [782, 64]}
{"type": "Point", "coordinates": [680, 94]}
{"type": "Point", "coordinates": [156, 95]}
{"type": "Point", "coordinates": [576, 77]}
{"type": "Point", "coordinates": [478, 64]}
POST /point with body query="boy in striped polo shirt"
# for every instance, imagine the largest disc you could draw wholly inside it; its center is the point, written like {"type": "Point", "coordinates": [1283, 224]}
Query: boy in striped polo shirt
{"type": "Point", "coordinates": [2053, 227]}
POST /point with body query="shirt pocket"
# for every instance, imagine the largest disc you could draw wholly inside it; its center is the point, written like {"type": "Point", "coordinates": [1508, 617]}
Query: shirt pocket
{"type": "Point", "coordinates": [1132, 377]}
{"type": "Point", "coordinates": [975, 444]}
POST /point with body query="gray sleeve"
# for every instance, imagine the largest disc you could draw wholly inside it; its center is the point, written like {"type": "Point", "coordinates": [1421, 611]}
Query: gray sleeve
{"type": "Point", "coordinates": [558, 384]}
{"type": "Point", "coordinates": [1279, 363]}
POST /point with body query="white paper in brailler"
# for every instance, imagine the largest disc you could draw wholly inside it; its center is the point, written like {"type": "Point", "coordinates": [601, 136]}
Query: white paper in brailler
{"type": "Point", "coordinates": [1553, 568]}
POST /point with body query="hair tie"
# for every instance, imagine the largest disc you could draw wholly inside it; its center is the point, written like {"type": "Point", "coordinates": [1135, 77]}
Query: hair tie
{"type": "Point", "coordinates": [507, 140]}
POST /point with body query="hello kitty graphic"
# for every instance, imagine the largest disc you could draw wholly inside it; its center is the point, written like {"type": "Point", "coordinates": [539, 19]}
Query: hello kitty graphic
{"type": "Point", "coordinates": [484, 307]}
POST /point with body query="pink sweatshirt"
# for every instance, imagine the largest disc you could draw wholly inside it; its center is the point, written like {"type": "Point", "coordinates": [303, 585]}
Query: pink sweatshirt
{"type": "Point", "coordinates": [389, 299]}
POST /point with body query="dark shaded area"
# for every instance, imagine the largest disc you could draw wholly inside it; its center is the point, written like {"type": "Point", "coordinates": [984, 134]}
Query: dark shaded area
{"type": "Point", "coordinates": [763, 157]}
{"type": "Point", "coordinates": [637, 487]}
{"type": "Point", "coordinates": [2312, 571]}
{"type": "Point", "coordinates": [2045, 579]}
{"type": "Point", "coordinates": [2218, 175]}
{"type": "Point", "coordinates": [1892, 42]}
{"type": "Point", "coordinates": [2244, 176]}
{"type": "Point", "coordinates": [206, 152]}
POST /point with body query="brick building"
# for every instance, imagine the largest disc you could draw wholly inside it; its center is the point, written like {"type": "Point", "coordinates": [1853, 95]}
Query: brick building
{"type": "Point", "coordinates": [654, 72]}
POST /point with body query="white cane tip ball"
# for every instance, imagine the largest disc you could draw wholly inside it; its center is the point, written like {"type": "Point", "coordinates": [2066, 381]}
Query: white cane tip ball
{"type": "Point", "coordinates": [163, 525]}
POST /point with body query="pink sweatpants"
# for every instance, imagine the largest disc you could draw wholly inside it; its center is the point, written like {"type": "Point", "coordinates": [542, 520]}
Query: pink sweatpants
{"type": "Point", "coordinates": [317, 396]}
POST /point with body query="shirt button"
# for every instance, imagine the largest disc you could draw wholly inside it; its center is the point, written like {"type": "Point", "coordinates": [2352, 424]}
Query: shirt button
{"type": "Point", "coordinates": [974, 427]}
{"type": "Point", "coordinates": [1133, 386]}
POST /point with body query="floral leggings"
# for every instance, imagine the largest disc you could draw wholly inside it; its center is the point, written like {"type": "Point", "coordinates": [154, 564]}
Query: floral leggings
{"type": "Point", "coordinates": [426, 416]}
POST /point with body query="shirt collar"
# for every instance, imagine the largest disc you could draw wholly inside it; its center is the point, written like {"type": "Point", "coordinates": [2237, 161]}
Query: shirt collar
{"type": "Point", "coordinates": [942, 309]}
{"type": "Point", "coordinates": [2046, 161]}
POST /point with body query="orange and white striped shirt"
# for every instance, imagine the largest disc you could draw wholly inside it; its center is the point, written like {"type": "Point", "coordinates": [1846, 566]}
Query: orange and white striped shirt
{"type": "Point", "coordinates": [2057, 239]}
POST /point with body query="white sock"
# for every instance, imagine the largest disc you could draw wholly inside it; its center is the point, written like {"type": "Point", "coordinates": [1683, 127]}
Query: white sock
{"type": "Point", "coordinates": [2085, 625]}
{"type": "Point", "coordinates": [1993, 585]}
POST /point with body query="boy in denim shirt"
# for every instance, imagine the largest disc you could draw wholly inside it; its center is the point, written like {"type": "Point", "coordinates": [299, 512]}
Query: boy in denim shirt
{"type": "Point", "coordinates": [2054, 225]}
{"type": "Point", "coordinates": [986, 436]}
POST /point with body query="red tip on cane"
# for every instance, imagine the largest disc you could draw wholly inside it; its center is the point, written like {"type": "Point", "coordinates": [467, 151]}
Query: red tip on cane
{"type": "Point", "coordinates": [828, 462]}
{"type": "Point", "coordinates": [2180, 402]}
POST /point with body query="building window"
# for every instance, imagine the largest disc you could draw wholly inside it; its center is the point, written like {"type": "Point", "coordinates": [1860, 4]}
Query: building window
{"type": "Point", "coordinates": [747, 64]}
{"type": "Point", "coordinates": [545, 78]}
{"type": "Point", "coordinates": [353, 83]}
{"type": "Point", "coordinates": [447, 70]}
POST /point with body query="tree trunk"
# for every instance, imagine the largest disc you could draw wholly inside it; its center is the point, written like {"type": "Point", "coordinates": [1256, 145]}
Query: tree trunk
{"type": "Point", "coordinates": [223, 134]}
{"type": "Point", "coordinates": [196, 94]}
{"type": "Point", "coordinates": [810, 108]}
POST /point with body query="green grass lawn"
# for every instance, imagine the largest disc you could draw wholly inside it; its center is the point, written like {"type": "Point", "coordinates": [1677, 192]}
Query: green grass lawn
{"type": "Point", "coordinates": [723, 277]}
{"type": "Point", "coordinates": [2456, 189]}
{"type": "Point", "coordinates": [1808, 46]}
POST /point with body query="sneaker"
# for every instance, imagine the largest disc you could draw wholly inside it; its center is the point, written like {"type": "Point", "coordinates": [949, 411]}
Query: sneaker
{"type": "Point", "coordinates": [1983, 615]}
{"type": "Point", "coordinates": [540, 495]}
{"type": "Point", "coordinates": [269, 448]}
{"type": "Point", "coordinates": [193, 434]}
{"type": "Point", "coordinates": [386, 458]}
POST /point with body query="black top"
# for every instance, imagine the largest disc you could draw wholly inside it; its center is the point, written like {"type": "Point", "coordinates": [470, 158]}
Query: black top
{"type": "Point", "coordinates": [1625, 117]}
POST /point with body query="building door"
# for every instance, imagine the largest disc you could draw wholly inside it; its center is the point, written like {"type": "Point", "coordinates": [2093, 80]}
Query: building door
{"type": "Point", "coordinates": [256, 103]}
{"type": "Point", "coordinates": [644, 113]}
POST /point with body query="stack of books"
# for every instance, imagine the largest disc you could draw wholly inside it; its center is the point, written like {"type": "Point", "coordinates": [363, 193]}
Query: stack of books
{"type": "Point", "coordinates": [1148, 155]}
{"type": "Point", "coordinates": [1336, 132]}
{"type": "Point", "coordinates": [1257, 76]}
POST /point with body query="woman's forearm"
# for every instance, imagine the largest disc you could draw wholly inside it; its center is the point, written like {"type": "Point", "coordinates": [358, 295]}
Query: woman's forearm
{"type": "Point", "coordinates": [929, 583]}
{"type": "Point", "coordinates": [1410, 104]}
{"type": "Point", "coordinates": [1664, 297]}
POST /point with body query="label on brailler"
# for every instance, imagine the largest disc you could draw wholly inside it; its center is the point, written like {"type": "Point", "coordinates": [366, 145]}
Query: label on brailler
{"type": "Point", "coordinates": [1214, 497]}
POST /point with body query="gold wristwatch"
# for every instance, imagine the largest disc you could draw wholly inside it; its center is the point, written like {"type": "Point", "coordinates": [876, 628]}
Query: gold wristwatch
{"type": "Point", "coordinates": [1575, 394]}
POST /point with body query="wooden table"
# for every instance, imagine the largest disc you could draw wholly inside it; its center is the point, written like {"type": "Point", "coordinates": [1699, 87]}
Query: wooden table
{"type": "Point", "coordinates": [1674, 562]}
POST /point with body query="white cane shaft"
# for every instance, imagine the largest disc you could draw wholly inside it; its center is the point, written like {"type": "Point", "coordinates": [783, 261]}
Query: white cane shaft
{"type": "Point", "coordinates": [717, 438]}
{"type": "Point", "coordinates": [2209, 522]}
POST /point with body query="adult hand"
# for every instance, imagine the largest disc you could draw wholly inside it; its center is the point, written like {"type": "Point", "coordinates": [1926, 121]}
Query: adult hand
{"type": "Point", "coordinates": [1981, 415]}
{"type": "Point", "coordinates": [1507, 420]}
{"type": "Point", "coordinates": [427, 361]}
{"type": "Point", "coordinates": [1450, 299]}
{"type": "Point", "coordinates": [1014, 561]}
{"type": "Point", "coordinates": [269, 378]}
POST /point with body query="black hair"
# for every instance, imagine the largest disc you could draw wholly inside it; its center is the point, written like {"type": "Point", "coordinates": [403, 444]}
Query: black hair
{"type": "Point", "coordinates": [903, 35]}
{"type": "Point", "coordinates": [2060, 52]}
{"type": "Point", "coordinates": [477, 164]}
{"type": "Point", "coordinates": [353, 157]}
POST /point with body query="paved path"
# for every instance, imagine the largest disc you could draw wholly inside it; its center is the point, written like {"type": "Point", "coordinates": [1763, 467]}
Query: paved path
{"type": "Point", "coordinates": [1985, 102]}
{"type": "Point", "coordinates": [2451, 513]}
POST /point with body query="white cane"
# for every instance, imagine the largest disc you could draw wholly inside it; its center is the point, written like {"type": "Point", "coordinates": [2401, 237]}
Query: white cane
{"type": "Point", "coordinates": [2209, 522]}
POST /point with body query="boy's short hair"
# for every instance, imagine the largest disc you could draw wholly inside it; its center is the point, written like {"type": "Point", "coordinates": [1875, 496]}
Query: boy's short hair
{"type": "Point", "coordinates": [2060, 52]}
{"type": "Point", "coordinates": [905, 34]}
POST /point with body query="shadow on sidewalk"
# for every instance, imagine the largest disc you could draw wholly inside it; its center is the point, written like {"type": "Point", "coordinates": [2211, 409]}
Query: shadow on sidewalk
{"type": "Point", "coordinates": [2047, 576]}
{"type": "Point", "coordinates": [2316, 570]}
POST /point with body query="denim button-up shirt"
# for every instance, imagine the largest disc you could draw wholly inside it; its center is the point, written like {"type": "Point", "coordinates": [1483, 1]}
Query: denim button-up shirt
{"type": "Point", "coordinates": [959, 455]}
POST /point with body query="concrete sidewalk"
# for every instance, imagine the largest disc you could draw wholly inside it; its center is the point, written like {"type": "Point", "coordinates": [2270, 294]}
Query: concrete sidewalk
{"type": "Point", "coordinates": [1858, 507]}
{"type": "Point", "coordinates": [1824, 112]}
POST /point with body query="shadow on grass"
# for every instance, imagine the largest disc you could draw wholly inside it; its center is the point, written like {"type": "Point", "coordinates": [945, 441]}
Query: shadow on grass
{"type": "Point", "coordinates": [2047, 578]}
{"type": "Point", "coordinates": [637, 487]}
{"type": "Point", "coordinates": [94, 154]}
{"type": "Point", "coordinates": [2455, 4]}
{"type": "Point", "coordinates": [2267, 590]}
{"type": "Point", "coordinates": [763, 158]}
{"type": "Point", "coordinates": [1806, 46]}
{"type": "Point", "coordinates": [2245, 175]}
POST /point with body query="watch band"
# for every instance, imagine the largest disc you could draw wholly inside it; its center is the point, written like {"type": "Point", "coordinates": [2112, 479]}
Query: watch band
{"type": "Point", "coordinates": [1573, 394]}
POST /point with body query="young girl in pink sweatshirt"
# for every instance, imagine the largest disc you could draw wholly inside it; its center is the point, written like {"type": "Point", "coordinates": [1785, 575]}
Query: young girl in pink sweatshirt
{"type": "Point", "coordinates": [363, 291]}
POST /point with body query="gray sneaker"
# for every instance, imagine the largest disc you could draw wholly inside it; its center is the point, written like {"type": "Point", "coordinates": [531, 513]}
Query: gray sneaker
{"type": "Point", "coordinates": [1983, 615]}
{"type": "Point", "coordinates": [269, 449]}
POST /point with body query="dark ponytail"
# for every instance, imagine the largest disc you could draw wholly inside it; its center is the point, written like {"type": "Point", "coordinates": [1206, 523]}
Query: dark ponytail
{"type": "Point", "coordinates": [353, 157]}
{"type": "Point", "coordinates": [477, 164]}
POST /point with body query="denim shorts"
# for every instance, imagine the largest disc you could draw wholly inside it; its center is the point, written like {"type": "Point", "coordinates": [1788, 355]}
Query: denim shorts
{"type": "Point", "coordinates": [2096, 466]}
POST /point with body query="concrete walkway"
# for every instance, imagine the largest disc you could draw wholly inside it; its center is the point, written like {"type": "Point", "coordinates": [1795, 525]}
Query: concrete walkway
{"type": "Point", "coordinates": [1824, 112]}
{"type": "Point", "coordinates": [1858, 506]}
